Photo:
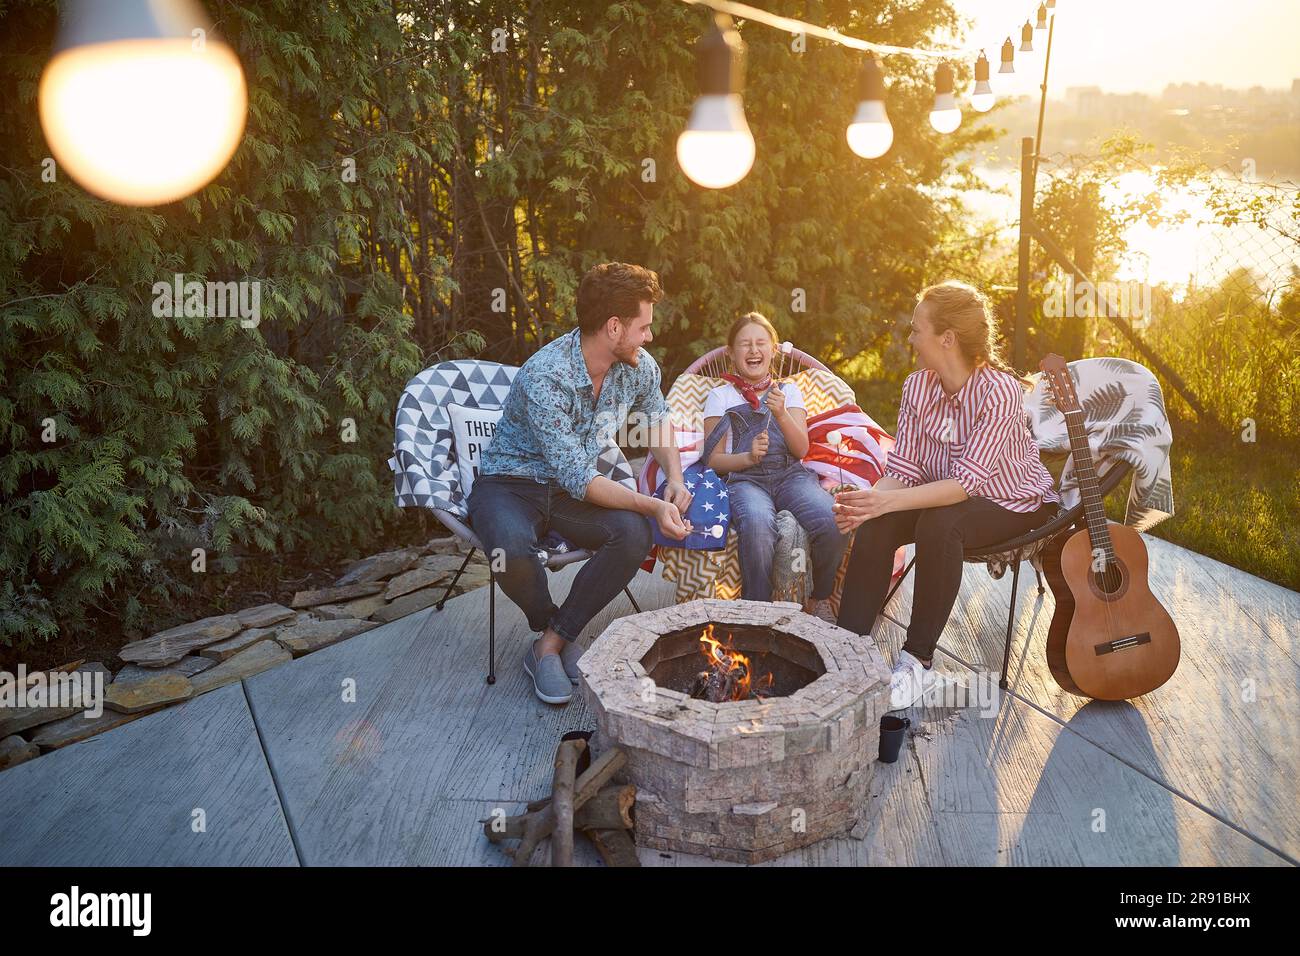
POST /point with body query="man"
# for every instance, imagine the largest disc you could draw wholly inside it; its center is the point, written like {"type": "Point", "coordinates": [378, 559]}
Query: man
{"type": "Point", "coordinates": [539, 472]}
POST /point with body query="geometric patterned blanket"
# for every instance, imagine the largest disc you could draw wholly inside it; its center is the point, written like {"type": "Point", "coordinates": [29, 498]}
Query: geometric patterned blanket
{"type": "Point", "coordinates": [1124, 413]}
{"type": "Point", "coordinates": [424, 458]}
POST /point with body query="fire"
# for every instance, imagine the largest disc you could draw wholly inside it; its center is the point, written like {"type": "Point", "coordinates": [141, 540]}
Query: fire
{"type": "Point", "coordinates": [729, 669]}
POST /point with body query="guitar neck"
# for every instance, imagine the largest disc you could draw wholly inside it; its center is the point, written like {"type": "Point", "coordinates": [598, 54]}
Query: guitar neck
{"type": "Point", "coordinates": [1089, 488]}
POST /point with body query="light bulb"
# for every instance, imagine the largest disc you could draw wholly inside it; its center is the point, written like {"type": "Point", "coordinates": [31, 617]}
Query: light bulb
{"type": "Point", "coordinates": [945, 116]}
{"type": "Point", "coordinates": [716, 149]}
{"type": "Point", "coordinates": [947, 119]}
{"type": "Point", "coordinates": [982, 98]}
{"type": "Point", "coordinates": [142, 119]}
{"type": "Point", "coordinates": [870, 134]}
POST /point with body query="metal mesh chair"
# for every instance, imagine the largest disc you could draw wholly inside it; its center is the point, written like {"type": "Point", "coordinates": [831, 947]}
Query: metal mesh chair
{"type": "Point", "coordinates": [426, 475]}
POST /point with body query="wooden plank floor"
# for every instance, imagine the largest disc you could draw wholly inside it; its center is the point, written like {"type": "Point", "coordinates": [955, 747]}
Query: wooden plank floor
{"type": "Point", "coordinates": [1218, 736]}
{"type": "Point", "coordinates": [128, 796]}
{"type": "Point", "coordinates": [388, 748]}
{"type": "Point", "coordinates": [403, 774]}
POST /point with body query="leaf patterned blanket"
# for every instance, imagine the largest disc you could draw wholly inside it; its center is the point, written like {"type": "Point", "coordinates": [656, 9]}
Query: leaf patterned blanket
{"type": "Point", "coordinates": [1124, 411]}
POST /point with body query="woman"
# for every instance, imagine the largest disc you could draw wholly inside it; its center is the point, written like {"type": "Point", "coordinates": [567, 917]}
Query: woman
{"type": "Point", "coordinates": [764, 469]}
{"type": "Point", "coordinates": [964, 472]}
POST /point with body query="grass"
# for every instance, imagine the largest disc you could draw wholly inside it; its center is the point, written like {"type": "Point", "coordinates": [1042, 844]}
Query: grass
{"type": "Point", "coordinates": [1235, 502]}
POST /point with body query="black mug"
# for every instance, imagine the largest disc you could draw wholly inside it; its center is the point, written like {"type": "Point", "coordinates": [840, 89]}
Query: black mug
{"type": "Point", "coordinates": [892, 731]}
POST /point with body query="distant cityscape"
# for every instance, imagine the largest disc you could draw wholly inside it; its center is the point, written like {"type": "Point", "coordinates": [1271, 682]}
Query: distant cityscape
{"type": "Point", "coordinates": [1231, 125]}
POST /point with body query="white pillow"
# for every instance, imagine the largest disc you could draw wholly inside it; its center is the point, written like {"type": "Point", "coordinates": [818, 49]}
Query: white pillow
{"type": "Point", "coordinates": [472, 430]}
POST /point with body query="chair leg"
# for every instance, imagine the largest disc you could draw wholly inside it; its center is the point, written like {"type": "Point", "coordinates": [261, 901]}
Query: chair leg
{"type": "Point", "coordinates": [492, 626]}
{"type": "Point", "coordinates": [628, 592]}
{"type": "Point", "coordinates": [1011, 616]}
{"type": "Point", "coordinates": [1040, 579]}
{"type": "Point", "coordinates": [899, 583]}
{"type": "Point", "coordinates": [455, 578]}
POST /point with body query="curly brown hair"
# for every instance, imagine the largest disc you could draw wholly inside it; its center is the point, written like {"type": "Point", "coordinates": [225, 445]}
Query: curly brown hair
{"type": "Point", "coordinates": [614, 289]}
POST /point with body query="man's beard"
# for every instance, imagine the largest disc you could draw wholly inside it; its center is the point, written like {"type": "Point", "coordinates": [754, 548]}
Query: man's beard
{"type": "Point", "coordinates": [629, 356]}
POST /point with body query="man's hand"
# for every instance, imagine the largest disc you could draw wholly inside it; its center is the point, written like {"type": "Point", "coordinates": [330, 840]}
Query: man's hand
{"type": "Point", "coordinates": [759, 448]}
{"type": "Point", "coordinates": [676, 493]}
{"type": "Point", "coordinates": [670, 520]}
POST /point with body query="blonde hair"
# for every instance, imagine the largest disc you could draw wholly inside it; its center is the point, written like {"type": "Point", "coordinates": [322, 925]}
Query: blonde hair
{"type": "Point", "coordinates": [751, 318]}
{"type": "Point", "coordinates": [966, 310]}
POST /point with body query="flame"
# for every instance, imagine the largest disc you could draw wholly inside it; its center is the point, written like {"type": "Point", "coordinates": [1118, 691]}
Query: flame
{"type": "Point", "coordinates": [728, 660]}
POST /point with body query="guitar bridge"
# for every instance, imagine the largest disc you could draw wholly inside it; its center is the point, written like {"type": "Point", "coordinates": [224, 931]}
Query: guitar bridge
{"type": "Point", "coordinates": [1120, 643]}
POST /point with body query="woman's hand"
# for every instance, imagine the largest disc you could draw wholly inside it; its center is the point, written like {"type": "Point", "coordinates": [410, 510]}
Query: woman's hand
{"type": "Point", "coordinates": [852, 508]}
{"type": "Point", "coordinates": [759, 448]}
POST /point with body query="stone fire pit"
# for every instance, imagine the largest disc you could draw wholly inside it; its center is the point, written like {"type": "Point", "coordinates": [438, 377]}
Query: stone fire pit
{"type": "Point", "coordinates": [747, 780]}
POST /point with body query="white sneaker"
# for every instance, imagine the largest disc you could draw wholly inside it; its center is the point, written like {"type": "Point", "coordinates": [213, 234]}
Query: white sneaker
{"type": "Point", "coordinates": [908, 682]}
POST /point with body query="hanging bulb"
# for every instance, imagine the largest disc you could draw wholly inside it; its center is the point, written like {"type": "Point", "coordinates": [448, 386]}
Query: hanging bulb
{"type": "Point", "coordinates": [982, 98]}
{"type": "Point", "coordinates": [1008, 58]}
{"type": "Point", "coordinates": [1042, 17]}
{"type": "Point", "coordinates": [870, 134]}
{"type": "Point", "coordinates": [716, 149]}
{"type": "Point", "coordinates": [945, 117]}
{"type": "Point", "coordinates": [139, 103]}
{"type": "Point", "coordinates": [1027, 38]}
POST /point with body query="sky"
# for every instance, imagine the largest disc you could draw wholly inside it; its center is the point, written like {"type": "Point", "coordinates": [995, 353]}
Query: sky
{"type": "Point", "coordinates": [1143, 45]}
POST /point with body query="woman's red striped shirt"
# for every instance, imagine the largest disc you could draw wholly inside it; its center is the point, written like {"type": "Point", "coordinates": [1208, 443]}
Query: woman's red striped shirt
{"type": "Point", "coordinates": [978, 437]}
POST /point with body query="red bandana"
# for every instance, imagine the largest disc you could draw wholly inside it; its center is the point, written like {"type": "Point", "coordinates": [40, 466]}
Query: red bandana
{"type": "Point", "coordinates": [749, 390]}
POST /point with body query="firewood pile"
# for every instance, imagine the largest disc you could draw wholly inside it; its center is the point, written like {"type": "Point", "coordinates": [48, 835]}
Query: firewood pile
{"type": "Point", "coordinates": [582, 800]}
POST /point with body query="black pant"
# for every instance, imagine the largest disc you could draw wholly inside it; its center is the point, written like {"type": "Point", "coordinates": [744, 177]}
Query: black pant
{"type": "Point", "coordinates": [940, 535]}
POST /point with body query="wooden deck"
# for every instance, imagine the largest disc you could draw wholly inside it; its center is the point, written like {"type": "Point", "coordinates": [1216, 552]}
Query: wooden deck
{"type": "Point", "coordinates": [1202, 772]}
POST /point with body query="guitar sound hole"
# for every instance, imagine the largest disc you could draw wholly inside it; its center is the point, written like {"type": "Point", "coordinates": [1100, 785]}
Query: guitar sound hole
{"type": "Point", "coordinates": [1110, 580]}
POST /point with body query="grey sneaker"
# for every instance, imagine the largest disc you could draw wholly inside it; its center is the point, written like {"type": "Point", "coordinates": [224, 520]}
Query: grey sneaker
{"type": "Point", "coordinates": [550, 682]}
{"type": "Point", "coordinates": [569, 658]}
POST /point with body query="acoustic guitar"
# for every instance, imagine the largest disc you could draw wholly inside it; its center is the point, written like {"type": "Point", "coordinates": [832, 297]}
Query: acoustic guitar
{"type": "Point", "coordinates": [1110, 639]}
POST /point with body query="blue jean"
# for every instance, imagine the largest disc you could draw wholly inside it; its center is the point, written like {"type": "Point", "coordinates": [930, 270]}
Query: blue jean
{"type": "Point", "coordinates": [754, 504]}
{"type": "Point", "coordinates": [512, 515]}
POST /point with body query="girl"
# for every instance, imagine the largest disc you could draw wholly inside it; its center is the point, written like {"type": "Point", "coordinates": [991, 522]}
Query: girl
{"type": "Point", "coordinates": [764, 468]}
{"type": "Point", "coordinates": [964, 472]}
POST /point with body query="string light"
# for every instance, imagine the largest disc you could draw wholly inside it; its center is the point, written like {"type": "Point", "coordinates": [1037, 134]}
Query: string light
{"type": "Point", "coordinates": [945, 117]}
{"type": "Point", "coordinates": [871, 134]}
{"type": "Point", "coordinates": [982, 98]}
{"type": "Point", "coordinates": [1008, 58]}
{"type": "Point", "coordinates": [716, 149]}
{"type": "Point", "coordinates": [139, 103]}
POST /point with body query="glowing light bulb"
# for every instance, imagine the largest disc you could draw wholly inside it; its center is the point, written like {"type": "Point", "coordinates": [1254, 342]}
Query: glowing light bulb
{"type": "Point", "coordinates": [716, 149]}
{"type": "Point", "coordinates": [982, 97]}
{"type": "Point", "coordinates": [871, 134]}
{"type": "Point", "coordinates": [139, 104]}
{"type": "Point", "coordinates": [945, 116]}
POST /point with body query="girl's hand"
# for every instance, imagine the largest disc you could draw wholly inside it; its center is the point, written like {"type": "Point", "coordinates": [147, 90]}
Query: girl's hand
{"type": "Point", "coordinates": [776, 401]}
{"type": "Point", "coordinates": [855, 507]}
{"type": "Point", "coordinates": [759, 448]}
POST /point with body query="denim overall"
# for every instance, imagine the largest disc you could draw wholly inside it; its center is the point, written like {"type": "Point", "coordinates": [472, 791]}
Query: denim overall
{"type": "Point", "coordinates": [779, 482]}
